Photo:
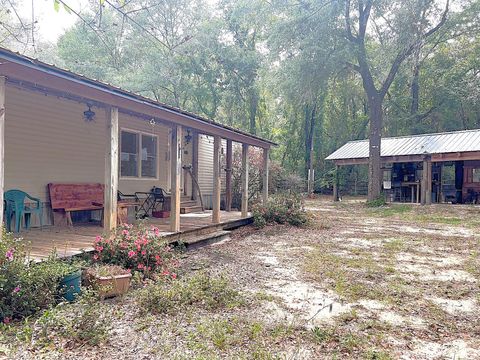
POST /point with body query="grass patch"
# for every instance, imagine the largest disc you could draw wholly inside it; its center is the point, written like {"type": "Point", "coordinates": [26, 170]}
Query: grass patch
{"type": "Point", "coordinates": [335, 339]}
{"type": "Point", "coordinates": [236, 337]}
{"type": "Point", "coordinates": [351, 278]}
{"type": "Point", "coordinates": [322, 335]}
{"type": "Point", "coordinates": [200, 290]}
{"type": "Point", "coordinates": [394, 246]}
{"type": "Point", "coordinates": [472, 265]}
{"type": "Point", "coordinates": [377, 355]}
{"type": "Point", "coordinates": [437, 219]}
{"type": "Point", "coordinates": [390, 210]}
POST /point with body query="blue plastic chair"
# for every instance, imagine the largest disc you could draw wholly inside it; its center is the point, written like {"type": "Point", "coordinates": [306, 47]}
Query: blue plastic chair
{"type": "Point", "coordinates": [15, 204]}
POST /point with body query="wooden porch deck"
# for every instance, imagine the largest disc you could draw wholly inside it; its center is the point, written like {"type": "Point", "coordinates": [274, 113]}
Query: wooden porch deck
{"type": "Point", "coordinates": [74, 240]}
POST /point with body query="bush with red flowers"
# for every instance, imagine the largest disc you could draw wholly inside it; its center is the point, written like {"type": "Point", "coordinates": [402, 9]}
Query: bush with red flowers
{"type": "Point", "coordinates": [138, 248]}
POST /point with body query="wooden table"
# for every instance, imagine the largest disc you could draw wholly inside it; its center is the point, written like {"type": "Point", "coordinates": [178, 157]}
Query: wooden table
{"type": "Point", "coordinates": [122, 210]}
{"type": "Point", "coordinates": [412, 184]}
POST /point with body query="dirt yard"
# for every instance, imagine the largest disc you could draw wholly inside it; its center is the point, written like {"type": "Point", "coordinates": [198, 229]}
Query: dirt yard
{"type": "Point", "coordinates": [396, 282]}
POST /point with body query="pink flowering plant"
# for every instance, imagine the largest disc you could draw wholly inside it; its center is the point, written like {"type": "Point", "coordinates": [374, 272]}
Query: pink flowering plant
{"type": "Point", "coordinates": [26, 287]}
{"type": "Point", "coordinates": [138, 248]}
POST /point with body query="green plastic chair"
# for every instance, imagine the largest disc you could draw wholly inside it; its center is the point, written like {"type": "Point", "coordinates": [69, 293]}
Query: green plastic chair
{"type": "Point", "coordinates": [15, 204]}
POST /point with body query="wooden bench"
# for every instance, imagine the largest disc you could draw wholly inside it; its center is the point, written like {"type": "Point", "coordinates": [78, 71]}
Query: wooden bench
{"type": "Point", "coordinates": [67, 198]}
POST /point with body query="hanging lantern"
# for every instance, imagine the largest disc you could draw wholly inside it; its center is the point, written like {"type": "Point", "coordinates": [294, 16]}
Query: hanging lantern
{"type": "Point", "coordinates": [89, 115]}
{"type": "Point", "coordinates": [188, 137]}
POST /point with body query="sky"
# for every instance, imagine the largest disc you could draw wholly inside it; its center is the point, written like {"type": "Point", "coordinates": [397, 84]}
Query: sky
{"type": "Point", "coordinates": [50, 24]}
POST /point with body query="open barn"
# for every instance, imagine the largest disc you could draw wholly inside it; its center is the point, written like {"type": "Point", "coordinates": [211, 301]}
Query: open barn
{"type": "Point", "coordinates": [428, 168]}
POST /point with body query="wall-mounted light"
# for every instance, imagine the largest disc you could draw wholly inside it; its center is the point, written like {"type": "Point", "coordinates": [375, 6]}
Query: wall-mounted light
{"type": "Point", "coordinates": [89, 115]}
{"type": "Point", "coordinates": [188, 137]}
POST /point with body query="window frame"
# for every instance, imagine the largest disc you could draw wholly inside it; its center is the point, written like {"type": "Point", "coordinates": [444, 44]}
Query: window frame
{"type": "Point", "coordinates": [139, 176]}
{"type": "Point", "coordinates": [474, 171]}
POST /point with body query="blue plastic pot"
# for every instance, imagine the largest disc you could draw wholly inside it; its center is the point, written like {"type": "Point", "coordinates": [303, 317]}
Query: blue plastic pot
{"type": "Point", "coordinates": [70, 286]}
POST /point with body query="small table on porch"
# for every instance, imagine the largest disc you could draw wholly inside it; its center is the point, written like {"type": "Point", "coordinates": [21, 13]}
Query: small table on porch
{"type": "Point", "coordinates": [122, 210]}
{"type": "Point", "coordinates": [412, 185]}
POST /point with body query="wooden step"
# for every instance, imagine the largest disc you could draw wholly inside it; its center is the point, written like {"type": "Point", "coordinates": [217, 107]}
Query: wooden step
{"type": "Point", "coordinates": [190, 209]}
{"type": "Point", "coordinates": [194, 242]}
{"type": "Point", "coordinates": [188, 203]}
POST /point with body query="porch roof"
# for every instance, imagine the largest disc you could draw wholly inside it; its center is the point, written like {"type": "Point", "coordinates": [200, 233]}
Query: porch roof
{"type": "Point", "coordinates": [31, 72]}
{"type": "Point", "coordinates": [446, 146]}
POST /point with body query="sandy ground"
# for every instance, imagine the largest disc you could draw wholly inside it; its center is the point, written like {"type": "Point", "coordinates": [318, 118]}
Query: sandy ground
{"type": "Point", "coordinates": [398, 282]}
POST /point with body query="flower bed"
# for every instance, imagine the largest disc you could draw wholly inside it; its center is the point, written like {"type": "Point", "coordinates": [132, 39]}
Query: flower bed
{"type": "Point", "coordinates": [137, 248]}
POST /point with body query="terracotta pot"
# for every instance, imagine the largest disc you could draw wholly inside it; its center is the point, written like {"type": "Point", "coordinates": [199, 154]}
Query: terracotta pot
{"type": "Point", "coordinates": [110, 286]}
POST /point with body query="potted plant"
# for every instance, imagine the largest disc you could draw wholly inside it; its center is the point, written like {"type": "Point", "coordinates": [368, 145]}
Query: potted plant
{"type": "Point", "coordinates": [70, 282]}
{"type": "Point", "coordinates": [66, 274]}
{"type": "Point", "coordinates": [109, 280]}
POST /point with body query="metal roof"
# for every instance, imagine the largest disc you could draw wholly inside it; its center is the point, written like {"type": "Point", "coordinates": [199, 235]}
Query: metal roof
{"type": "Point", "coordinates": [440, 143]}
{"type": "Point", "coordinates": [114, 90]}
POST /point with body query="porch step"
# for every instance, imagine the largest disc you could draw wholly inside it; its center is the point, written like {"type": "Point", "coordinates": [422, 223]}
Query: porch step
{"type": "Point", "coordinates": [188, 203]}
{"type": "Point", "coordinates": [194, 242]}
{"type": "Point", "coordinates": [190, 209]}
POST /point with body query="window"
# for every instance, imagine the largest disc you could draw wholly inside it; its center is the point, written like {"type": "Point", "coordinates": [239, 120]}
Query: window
{"type": "Point", "coordinates": [149, 156]}
{"type": "Point", "coordinates": [129, 154]}
{"type": "Point", "coordinates": [138, 157]}
{"type": "Point", "coordinates": [476, 175]}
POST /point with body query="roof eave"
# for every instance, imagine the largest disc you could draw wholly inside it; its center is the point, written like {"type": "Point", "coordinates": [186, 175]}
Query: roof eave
{"type": "Point", "coordinates": [115, 91]}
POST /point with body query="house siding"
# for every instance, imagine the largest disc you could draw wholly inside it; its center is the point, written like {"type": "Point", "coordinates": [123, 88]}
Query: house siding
{"type": "Point", "coordinates": [205, 168]}
{"type": "Point", "coordinates": [47, 140]}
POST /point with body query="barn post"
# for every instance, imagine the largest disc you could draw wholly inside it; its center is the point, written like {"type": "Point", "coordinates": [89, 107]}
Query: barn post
{"type": "Point", "coordinates": [111, 171]}
{"type": "Point", "coordinates": [228, 177]}
{"type": "Point", "coordinates": [217, 144]}
{"type": "Point", "coordinates": [244, 180]}
{"type": "Point", "coordinates": [426, 194]}
{"type": "Point", "coordinates": [176, 175]}
{"type": "Point", "coordinates": [265, 175]}
{"type": "Point", "coordinates": [2, 146]}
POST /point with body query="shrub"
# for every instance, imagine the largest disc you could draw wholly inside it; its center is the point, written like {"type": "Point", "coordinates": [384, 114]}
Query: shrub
{"type": "Point", "coordinates": [202, 290]}
{"type": "Point", "coordinates": [281, 209]}
{"type": "Point", "coordinates": [86, 322]}
{"type": "Point", "coordinates": [138, 249]}
{"type": "Point", "coordinates": [26, 287]}
{"type": "Point", "coordinates": [379, 201]}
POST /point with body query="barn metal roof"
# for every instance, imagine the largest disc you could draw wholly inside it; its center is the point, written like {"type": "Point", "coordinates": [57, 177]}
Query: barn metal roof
{"type": "Point", "coordinates": [439, 143]}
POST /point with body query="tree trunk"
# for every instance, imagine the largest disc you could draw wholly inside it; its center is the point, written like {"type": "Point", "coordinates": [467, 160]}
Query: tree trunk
{"type": "Point", "coordinates": [253, 111]}
{"type": "Point", "coordinates": [415, 86]}
{"type": "Point", "coordinates": [374, 170]}
{"type": "Point", "coordinates": [310, 120]}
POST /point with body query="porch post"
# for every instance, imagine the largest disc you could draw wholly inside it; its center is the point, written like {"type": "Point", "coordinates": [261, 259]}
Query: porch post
{"type": "Point", "coordinates": [228, 177]}
{"type": "Point", "coordinates": [217, 144]}
{"type": "Point", "coordinates": [335, 184]}
{"type": "Point", "coordinates": [244, 180]}
{"type": "Point", "coordinates": [2, 146]}
{"type": "Point", "coordinates": [111, 171]}
{"type": "Point", "coordinates": [176, 176]}
{"type": "Point", "coordinates": [194, 164]}
{"type": "Point", "coordinates": [265, 175]}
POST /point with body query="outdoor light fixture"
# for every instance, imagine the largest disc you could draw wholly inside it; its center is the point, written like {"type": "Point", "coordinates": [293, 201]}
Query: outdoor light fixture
{"type": "Point", "coordinates": [89, 115]}
{"type": "Point", "coordinates": [188, 137]}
